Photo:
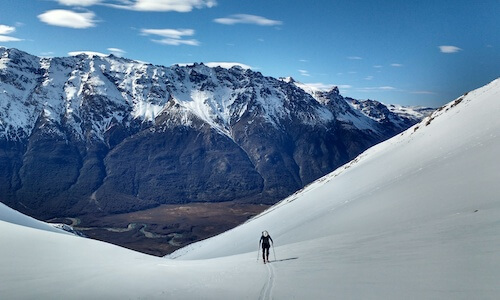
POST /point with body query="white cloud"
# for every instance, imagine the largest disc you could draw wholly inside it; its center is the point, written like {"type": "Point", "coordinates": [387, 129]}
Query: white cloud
{"type": "Point", "coordinates": [116, 51]}
{"type": "Point", "coordinates": [4, 29]}
{"type": "Point", "coordinates": [378, 66]}
{"type": "Point", "coordinates": [68, 18]}
{"type": "Point", "coordinates": [227, 65]}
{"type": "Point", "coordinates": [5, 38]}
{"type": "Point", "coordinates": [169, 33]}
{"type": "Point", "coordinates": [449, 49]}
{"type": "Point", "coordinates": [378, 88]}
{"type": "Point", "coordinates": [369, 77]}
{"type": "Point", "coordinates": [165, 5]}
{"type": "Point", "coordinates": [396, 65]}
{"type": "Point", "coordinates": [354, 58]}
{"type": "Point", "coordinates": [177, 42]}
{"type": "Point", "coordinates": [79, 2]}
{"type": "Point", "coordinates": [89, 53]}
{"type": "Point", "coordinates": [146, 5]}
{"type": "Point", "coordinates": [423, 92]}
{"type": "Point", "coordinates": [247, 19]}
{"type": "Point", "coordinates": [47, 54]}
{"type": "Point", "coordinates": [327, 87]}
{"type": "Point", "coordinates": [304, 73]}
{"type": "Point", "coordinates": [172, 37]}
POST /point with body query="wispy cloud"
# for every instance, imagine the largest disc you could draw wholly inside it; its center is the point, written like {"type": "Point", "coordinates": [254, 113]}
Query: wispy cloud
{"type": "Point", "coordinates": [227, 65]}
{"type": "Point", "coordinates": [377, 88]}
{"type": "Point", "coordinates": [164, 5]}
{"type": "Point", "coordinates": [6, 38]}
{"type": "Point", "coordinates": [175, 42]}
{"type": "Point", "coordinates": [89, 53]}
{"type": "Point", "coordinates": [145, 5]}
{"type": "Point", "coordinates": [116, 51]}
{"type": "Point", "coordinates": [396, 65]}
{"type": "Point", "coordinates": [369, 77]}
{"type": "Point", "coordinates": [449, 49]}
{"type": "Point", "coordinates": [354, 58]}
{"type": "Point", "coordinates": [79, 2]}
{"type": "Point", "coordinates": [5, 32]}
{"type": "Point", "coordinates": [169, 33]}
{"type": "Point", "coordinates": [247, 19]}
{"type": "Point", "coordinates": [68, 18]}
{"type": "Point", "coordinates": [304, 73]}
{"type": "Point", "coordinates": [423, 92]}
{"type": "Point", "coordinates": [327, 87]}
{"type": "Point", "coordinates": [378, 67]}
{"type": "Point", "coordinates": [172, 37]}
{"type": "Point", "coordinates": [47, 54]}
{"type": "Point", "coordinates": [4, 29]}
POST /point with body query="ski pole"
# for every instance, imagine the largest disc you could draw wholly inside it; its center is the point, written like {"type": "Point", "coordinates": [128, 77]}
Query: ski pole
{"type": "Point", "coordinates": [258, 252]}
{"type": "Point", "coordinates": [274, 253]}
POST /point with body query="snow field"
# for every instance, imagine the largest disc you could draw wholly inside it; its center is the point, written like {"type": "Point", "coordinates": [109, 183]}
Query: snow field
{"type": "Point", "coordinates": [415, 217]}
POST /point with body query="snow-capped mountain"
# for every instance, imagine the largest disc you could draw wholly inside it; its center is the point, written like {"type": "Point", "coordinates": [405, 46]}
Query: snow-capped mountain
{"type": "Point", "coordinates": [413, 217]}
{"type": "Point", "coordinates": [100, 133]}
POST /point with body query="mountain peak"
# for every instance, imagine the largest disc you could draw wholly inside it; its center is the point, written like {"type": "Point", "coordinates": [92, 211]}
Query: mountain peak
{"type": "Point", "coordinates": [334, 90]}
{"type": "Point", "coordinates": [288, 79]}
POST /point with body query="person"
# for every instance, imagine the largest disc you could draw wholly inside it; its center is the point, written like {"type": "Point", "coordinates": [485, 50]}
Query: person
{"type": "Point", "coordinates": [266, 241]}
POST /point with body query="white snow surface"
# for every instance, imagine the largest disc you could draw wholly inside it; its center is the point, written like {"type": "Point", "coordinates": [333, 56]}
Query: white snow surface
{"type": "Point", "coordinates": [417, 217]}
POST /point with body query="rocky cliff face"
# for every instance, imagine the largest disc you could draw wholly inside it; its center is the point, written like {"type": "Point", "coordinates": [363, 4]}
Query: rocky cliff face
{"type": "Point", "coordinates": [91, 134]}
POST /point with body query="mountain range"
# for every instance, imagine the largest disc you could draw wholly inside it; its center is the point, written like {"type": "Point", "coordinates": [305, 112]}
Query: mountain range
{"type": "Point", "coordinates": [104, 134]}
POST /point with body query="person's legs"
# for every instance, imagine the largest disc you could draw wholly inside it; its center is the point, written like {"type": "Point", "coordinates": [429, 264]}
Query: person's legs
{"type": "Point", "coordinates": [264, 253]}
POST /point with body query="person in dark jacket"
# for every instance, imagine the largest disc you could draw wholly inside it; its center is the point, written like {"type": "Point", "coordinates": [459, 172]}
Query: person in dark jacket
{"type": "Point", "coordinates": [265, 241]}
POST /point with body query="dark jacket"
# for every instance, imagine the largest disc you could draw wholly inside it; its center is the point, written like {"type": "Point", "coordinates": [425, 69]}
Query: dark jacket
{"type": "Point", "coordinates": [265, 241]}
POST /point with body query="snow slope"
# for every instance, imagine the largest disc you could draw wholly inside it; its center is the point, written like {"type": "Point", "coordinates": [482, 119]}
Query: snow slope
{"type": "Point", "coordinates": [414, 217]}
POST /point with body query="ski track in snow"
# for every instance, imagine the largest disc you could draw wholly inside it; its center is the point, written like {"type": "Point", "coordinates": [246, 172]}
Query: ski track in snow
{"type": "Point", "coordinates": [267, 290]}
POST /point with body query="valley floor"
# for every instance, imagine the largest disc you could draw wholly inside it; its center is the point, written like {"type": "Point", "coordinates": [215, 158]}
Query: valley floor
{"type": "Point", "coordinates": [161, 230]}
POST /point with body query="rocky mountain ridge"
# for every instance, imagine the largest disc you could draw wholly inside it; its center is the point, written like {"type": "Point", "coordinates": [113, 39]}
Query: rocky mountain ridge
{"type": "Point", "coordinates": [94, 134]}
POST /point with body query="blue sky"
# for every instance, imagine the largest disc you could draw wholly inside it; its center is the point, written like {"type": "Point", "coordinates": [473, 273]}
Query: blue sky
{"type": "Point", "coordinates": [400, 52]}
